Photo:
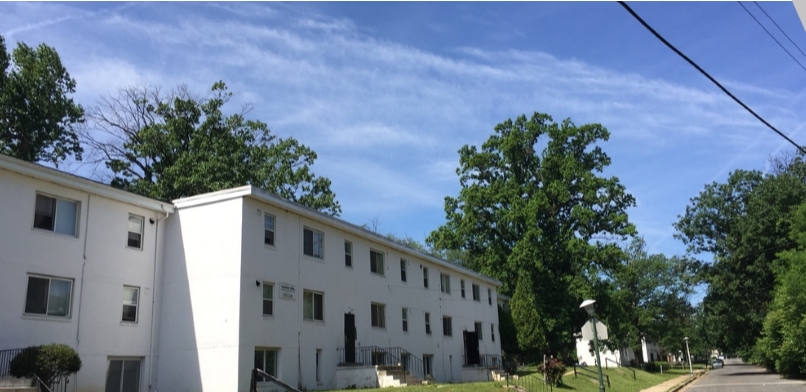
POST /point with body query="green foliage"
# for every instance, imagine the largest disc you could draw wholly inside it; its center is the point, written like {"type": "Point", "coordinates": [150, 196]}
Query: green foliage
{"type": "Point", "coordinates": [508, 332]}
{"type": "Point", "coordinates": [50, 362]}
{"type": "Point", "coordinates": [553, 371]}
{"type": "Point", "coordinates": [546, 216]}
{"type": "Point", "coordinates": [37, 118]}
{"type": "Point", "coordinates": [179, 146]}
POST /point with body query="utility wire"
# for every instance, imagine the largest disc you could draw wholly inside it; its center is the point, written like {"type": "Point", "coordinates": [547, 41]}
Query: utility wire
{"type": "Point", "coordinates": [779, 27]}
{"type": "Point", "coordinates": [657, 35]}
{"type": "Point", "coordinates": [770, 34]}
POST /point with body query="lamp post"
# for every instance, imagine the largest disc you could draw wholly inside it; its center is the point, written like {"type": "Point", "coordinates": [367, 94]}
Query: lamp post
{"type": "Point", "coordinates": [588, 306]}
{"type": "Point", "coordinates": [690, 370]}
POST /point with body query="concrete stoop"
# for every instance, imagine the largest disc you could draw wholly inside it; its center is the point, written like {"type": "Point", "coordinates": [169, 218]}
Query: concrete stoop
{"type": "Point", "coordinates": [13, 384]}
{"type": "Point", "coordinates": [498, 375]}
{"type": "Point", "coordinates": [394, 377]}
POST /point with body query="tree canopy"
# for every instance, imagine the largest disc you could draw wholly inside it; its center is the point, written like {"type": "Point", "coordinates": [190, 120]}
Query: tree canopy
{"type": "Point", "coordinates": [38, 119]}
{"type": "Point", "coordinates": [539, 221]}
{"type": "Point", "coordinates": [174, 145]}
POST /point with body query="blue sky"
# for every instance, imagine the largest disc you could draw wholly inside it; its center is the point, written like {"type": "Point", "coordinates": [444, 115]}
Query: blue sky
{"type": "Point", "coordinates": [386, 93]}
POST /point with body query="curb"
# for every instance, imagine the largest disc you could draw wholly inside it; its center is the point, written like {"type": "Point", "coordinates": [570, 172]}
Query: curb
{"type": "Point", "coordinates": [689, 381]}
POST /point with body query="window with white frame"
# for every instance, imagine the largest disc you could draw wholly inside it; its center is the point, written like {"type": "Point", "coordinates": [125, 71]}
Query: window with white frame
{"type": "Point", "coordinates": [131, 301]}
{"type": "Point", "coordinates": [378, 313]}
{"type": "Point", "coordinates": [313, 306]}
{"type": "Point", "coordinates": [135, 238]}
{"type": "Point", "coordinates": [402, 270]}
{"type": "Point", "coordinates": [425, 277]}
{"type": "Point", "coordinates": [447, 326]}
{"type": "Point", "coordinates": [476, 293]}
{"type": "Point", "coordinates": [56, 215]}
{"type": "Point", "coordinates": [268, 299]}
{"type": "Point", "coordinates": [490, 296]}
{"type": "Point", "coordinates": [348, 254]}
{"type": "Point", "coordinates": [428, 323]}
{"type": "Point", "coordinates": [405, 320]}
{"type": "Point", "coordinates": [376, 262]}
{"type": "Point", "coordinates": [445, 283]}
{"type": "Point", "coordinates": [123, 375]}
{"type": "Point", "coordinates": [266, 360]}
{"type": "Point", "coordinates": [268, 229]}
{"type": "Point", "coordinates": [462, 287]}
{"type": "Point", "coordinates": [312, 243]}
{"type": "Point", "coordinates": [477, 327]}
{"type": "Point", "coordinates": [48, 296]}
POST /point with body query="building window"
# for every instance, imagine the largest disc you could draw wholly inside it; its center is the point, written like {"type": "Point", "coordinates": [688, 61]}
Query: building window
{"type": "Point", "coordinates": [318, 365]}
{"type": "Point", "coordinates": [57, 215]}
{"type": "Point", "coordinates": [492, 332]}
{"type": "Point", "coordinates": [123, 375]}
{"type": "Point", "coordinates": [48, 296]}
{"type": "Point", "coordinates": [428, 323]}
{"type": "Point", "coordinates": [402, 270]}
{"type": "Point", "coordinates": [131, 298]}
{"type": "Point", "coordinates": [490, 296]}
{"type": "Point", "coordinates": [477, 327]}
{"type": "Point", "coordinates": [445, 283]}
{"type": "Point", "coordinates": [268, 299]}
{"type": "Point", "coordinates": [266, 360]}
{"type": "Point", "coordinates": [425, 277]}
{"type": "Point", "coordinates": [376, 262]}
{"type": "Point", "coordinates": [428, 364]}
{"type": "Point", "coordinates": [348, 254]}
{"type": "Point", "coordinates": [312, 242]}
{"type": "Point", "coordinates": [476, 293]}
{"type": "Point", "coordinates": [268, 229]}
{"type": "Point", "coordinates": [405, 320]}
{"type": "Point", "coordinates": [313, 306]}
{"type": "Point", "coordinates": [447, 327]}
{"type": "Point", "coordinates": [135, 239]}
{"type": "Point", "coordinates": [462, 287]}
{"type": "Point", "coordinates": [378, 315]}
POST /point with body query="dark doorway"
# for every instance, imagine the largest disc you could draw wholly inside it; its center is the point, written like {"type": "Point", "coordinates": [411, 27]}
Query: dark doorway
{"type": "Point", "coordinates": [471, 348]}
{"type": "Point", "coordinates": [350, 334]}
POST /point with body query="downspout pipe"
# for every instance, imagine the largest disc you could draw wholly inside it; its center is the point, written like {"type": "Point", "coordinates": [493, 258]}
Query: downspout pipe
{"type": "Point", "coordinates": [152, 344]}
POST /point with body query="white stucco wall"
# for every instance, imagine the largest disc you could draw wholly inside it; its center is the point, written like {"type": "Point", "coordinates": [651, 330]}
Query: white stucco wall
{"type": "Point", "coordinates": [358, 377]}
{"type": "Point", "coordinates": [609, 358]}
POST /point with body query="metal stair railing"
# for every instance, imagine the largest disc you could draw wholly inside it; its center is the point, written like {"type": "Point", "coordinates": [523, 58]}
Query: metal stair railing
{"type": "Point", "coordinates": [388, 356]}
{"type": "Point", "coordinates": [260, 373]}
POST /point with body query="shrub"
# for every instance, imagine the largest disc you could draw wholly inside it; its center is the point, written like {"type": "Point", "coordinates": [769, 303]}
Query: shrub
{"type": "Point", "coordinates": [650, 367]}
{"type": "Point", "coordinates": [50, 362]}
{"type": "Point", "coordinates": [553, 370]}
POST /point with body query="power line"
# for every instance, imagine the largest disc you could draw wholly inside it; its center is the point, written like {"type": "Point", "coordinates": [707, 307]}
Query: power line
{"type": "Point", "coordinates": [657, 35]}
{"type": "Point", "coordinates": [779, 27]}
{"type": "Point", "coordinates": [771, 36]}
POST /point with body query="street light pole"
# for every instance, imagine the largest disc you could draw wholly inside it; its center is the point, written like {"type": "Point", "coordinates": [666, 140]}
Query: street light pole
{"type": "Point", "coordinates": [588, 306]}
{"type": "Point", "coordinates": [690, 369]}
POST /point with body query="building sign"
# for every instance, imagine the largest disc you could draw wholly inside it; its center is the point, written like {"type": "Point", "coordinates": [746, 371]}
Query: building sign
{"type": "Point", "coordinates": [288, 291]}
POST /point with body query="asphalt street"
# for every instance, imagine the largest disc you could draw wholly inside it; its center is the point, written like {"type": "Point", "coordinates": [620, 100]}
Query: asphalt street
{"type": "Point", "coordinates": [741, 377]}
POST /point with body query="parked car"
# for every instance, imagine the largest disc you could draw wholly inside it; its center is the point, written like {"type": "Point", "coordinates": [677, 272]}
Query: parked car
{"type": "Point", "coordinates": [717, 363]}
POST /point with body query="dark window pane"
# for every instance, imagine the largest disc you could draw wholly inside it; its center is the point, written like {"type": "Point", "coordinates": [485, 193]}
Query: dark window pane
{"type": "Point", "coordinates": [271, 363]}
{"type": "Point", "coordinates": [59, 297]}
{"type": "Point", "coordinates": [131, 376]}
{"type": "Point", "coordinates": [66, 214]}
{"type": "Point", "coordinates": [307, 242]}
{"type": "Point", "coordinates": [134, 240]}
{"type": "Point", "coordinates": [113, 376]}
{"type": "Point", "coordinates": [129, 313]}
{"type": "Point", "coordinates": [317, 307]}
{"type": "Point", "coordinates": [45, 210]}
{"type": "Point", "coordinates": [268, 307]}
{"type": "Point", "coordinates": [268, 238]}
{"type": "Point", "coordinates": [36, 300]}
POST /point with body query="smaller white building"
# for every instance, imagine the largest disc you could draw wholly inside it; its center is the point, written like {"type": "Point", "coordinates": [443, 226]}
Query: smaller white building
{"type": "Point", "coordinates": [615, 358]}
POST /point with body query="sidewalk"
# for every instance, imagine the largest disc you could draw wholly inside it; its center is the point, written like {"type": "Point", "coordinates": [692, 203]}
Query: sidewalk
{"type": "Point", "coordinates": [666, 386]}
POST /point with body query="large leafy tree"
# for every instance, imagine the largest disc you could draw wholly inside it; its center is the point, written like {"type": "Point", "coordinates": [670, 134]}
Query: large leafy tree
{"type": "Point", "coordinates": [172, 145]}
{"type": "Point", "coordinates": [38, 119]}
{"type": "Point", "coordinates": [743, 223]}
{"type": "Point", "coordinates": [539, 221]}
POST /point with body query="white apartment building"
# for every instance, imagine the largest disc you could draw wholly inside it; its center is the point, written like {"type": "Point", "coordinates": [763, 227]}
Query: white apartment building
{"type": "Point", "coordinates": [217, 284]}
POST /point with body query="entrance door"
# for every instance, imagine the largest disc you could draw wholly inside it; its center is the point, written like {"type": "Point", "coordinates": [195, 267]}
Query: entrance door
{"type": "Point", "coordinates": [350, 334]}
{"type": "Point", "coordinates": [428, 361]}
{"type": "Point", "coordinates": [123, 375]}
{"type": "Point", "coordinates": [471, 348]}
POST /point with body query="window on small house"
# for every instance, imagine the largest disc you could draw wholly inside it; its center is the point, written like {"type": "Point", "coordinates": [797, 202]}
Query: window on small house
{"type": "Point", "coordinates": [477, 327]}
{"type": "Point", "coordinates": [490, 296]}
{"type": "Point", "coordinates": [268, 229]}
{"type": "Point", "coordinates": [425, 277]}
{"type": "Point", "coordinates": [266, 360]}
{"type": "Point", "coordinates": [313, 306]}
{"type": "Point", "coordinates": [48, 296]}
{"type": "Point", "coordinates": [376, 262]}
{"type": "Point", "coordinates": [123, 375]}
{"type": "Point", "coordinates": [445, 283]}
{"type": "Point", "coordinates": [405, 320]}
{"type": "Point", "coordinates": [428, 323]}
{"type": "Point", "coordinates": [319, 365]}
{"type": "Point", "coordinates": [268, 299]}
{"type": "Point", "coordinates": [447, 327]}
{"type": "Point", "coordinates": [462, 287]}
{"type": "Point", "coordinates": [57, 215]}
{"type": "Point", "coordinates": [312, 242]}
{"type": "Point", "coordinates": [476, 293]}
{"type": "Point", "coordinates": [492, 332]}
{"type": "Point", "coordinates": [131, 299]}
{"type": "Point", "coordinates": [402, 270]}
{"type": "Point", "coordinates": [378, 313]}
{"type": "Point", "coordinates": [135, 238]}
{"type": "Point", "coordinates": [348, 254]}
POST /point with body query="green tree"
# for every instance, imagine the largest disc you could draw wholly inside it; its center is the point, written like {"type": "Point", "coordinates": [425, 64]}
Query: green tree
{"type": "Point", "coordinates": [37, 118]}
{"type": "Point", "coordinates": [50, 363]}
{"type": "Point", "coordinates": [174, 145]}
{"type": "Point", "coordinates": [541, 223]}
{"type": "Point", "coordinates": [743, 223]}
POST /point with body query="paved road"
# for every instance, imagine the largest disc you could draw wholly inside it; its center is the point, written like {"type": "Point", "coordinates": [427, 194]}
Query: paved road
{"type": "Point", "coordinates": [741, 377]}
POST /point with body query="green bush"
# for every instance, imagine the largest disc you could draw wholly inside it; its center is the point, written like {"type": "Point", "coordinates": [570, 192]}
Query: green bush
{"type": "Point", "coordinates": [50, 362]}
{"type": "Point", "coordinates": [650, 367]}
{"type": "Point", "coordinates": [553, 370]}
